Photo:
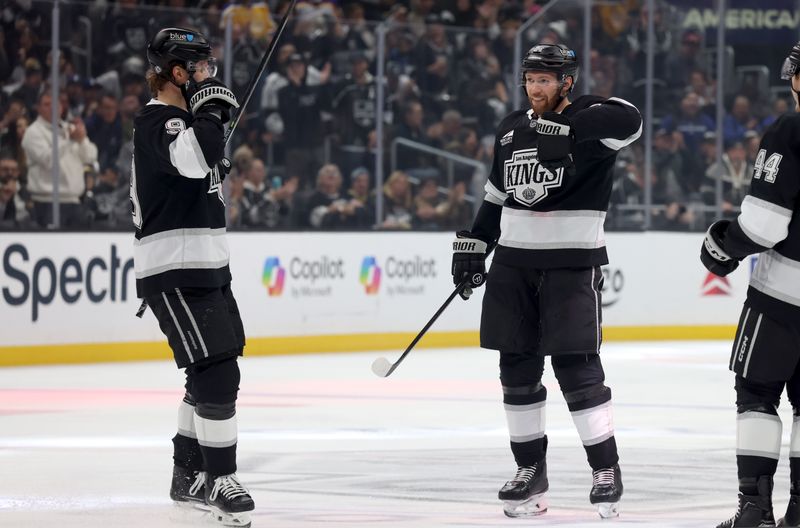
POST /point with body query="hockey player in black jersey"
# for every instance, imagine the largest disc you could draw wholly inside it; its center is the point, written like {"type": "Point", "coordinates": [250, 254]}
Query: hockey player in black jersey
{"type": "Point", "coordinates": [766, 348]}
{"type": "Point", "coordinates": [545, 203]}
{"type": "Point", "coordinates": [181, 263]}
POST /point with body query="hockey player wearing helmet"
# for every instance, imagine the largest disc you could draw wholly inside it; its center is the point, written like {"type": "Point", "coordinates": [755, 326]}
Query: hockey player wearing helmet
{"type": "Point", "coordinates": [181, 263]}
{"type": "Point", "coordinates": [765, 355]}
{"type": "Point", "coordinates": [546, 199]}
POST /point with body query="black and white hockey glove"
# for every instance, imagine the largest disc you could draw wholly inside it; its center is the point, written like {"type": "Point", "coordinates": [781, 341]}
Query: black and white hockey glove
{"type": "Point", "coordinates": [211, 96]}
{"type": "Point", "coordinates": [555, 143]}
{"type": "Point", "coordinates": [221, 169]}
{"type": "Point", "coordinates": [469, 262]}
{"type": "Point", "coordinates": [712, 252]}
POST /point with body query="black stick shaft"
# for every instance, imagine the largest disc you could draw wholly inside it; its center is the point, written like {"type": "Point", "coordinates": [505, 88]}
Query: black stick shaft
{"type": "Point", "coordinates": [259, 72]}
{"type": "Point", "coordinates": [441, 309]}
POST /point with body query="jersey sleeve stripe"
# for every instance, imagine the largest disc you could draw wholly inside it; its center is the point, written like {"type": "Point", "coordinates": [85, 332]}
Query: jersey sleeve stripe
{"type": "Point", "coordinates": [198, 248]}
{"type": "Point", "coordinates": [186, 155]}
{"type": "Point", "coordinates": [765, 223]}
{"type": "Point", "coordinates": [526, 229]}
{"type": "Point", "coordinates": [778, 277]}
{"type": "Point", "coordinates": [493, 194]}
{"type": "Point", "coordinates": [617, 144]}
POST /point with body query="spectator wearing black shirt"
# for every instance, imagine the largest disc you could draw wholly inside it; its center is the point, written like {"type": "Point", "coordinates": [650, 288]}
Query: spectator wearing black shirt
{"type": "Point", "coordinates": [300, 106]}
{"type": "Point", "coordinates": [104, 127]}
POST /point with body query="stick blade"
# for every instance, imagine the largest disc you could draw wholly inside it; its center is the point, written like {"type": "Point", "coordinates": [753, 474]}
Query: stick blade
{"type": "Point", "coordinates": [381, 367]}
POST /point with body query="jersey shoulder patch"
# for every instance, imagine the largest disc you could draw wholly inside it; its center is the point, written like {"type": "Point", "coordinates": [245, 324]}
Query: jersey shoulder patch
{"type": "Point", "coordinates": [175, 126]}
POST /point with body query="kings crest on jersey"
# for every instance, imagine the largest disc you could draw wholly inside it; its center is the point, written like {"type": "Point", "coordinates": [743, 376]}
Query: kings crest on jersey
{"type": "Point", "coordinates": [177, 202]}
{"type": "Point", "coordinates": [551, 218]}
{"type": "Point", "coordinates": [526, 180]}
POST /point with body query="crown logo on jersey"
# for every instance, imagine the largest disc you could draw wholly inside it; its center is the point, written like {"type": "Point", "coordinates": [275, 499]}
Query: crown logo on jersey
{"type": "Point", "coordinates": [527, 180]}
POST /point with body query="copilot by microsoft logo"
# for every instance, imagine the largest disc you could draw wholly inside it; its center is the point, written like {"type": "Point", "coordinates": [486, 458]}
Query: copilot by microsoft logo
{"type": "Point", "coordinates": [370, 275]}
{"type": "Point", "coordinates": [274, 276]}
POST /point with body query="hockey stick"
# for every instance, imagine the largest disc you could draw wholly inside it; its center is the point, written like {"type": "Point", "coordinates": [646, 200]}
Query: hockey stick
{"type": "Point", "coordinates": [259, 72]}
{"type": "Point", "coordinates": [381, 366]}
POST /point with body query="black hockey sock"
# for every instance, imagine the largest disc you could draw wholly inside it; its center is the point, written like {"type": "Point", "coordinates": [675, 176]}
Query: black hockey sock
{"type": "Point", "coordinates": [186, 453]}
{"type": "Point", "coordinates": [749, 468]}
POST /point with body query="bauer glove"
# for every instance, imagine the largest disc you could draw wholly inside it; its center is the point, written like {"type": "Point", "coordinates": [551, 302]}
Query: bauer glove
{"type": "Point", "coordinates": [712, 252]}
{"type": "Point", "coordinates": [555, 143]}
{"type": "Point", "coordinates": [469, 262]}
{"type": "Point", "coordinates": [211, 96]}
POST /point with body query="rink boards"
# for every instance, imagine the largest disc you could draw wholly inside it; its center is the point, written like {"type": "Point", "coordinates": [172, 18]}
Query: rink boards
{"type": "Point", "coordinates": [71, 297]}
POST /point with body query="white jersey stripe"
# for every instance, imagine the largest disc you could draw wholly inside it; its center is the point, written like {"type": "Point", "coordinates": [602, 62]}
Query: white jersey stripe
{"type": "Point", "coordinates": [201, 248]}
{"type": "Point", "coordinates": [765, 223]}
{"type": "Point", "coordinates": [552, 230]}
{"type": "Point", "coordinates": [778, 277]}
{"type": "Point", "coordinates": [186, 155]}
{"type": "Point", "coordinates": [493, 194]}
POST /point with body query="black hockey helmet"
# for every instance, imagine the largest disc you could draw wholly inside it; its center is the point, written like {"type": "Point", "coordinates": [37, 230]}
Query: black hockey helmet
{"type": "Point", "coordinates": [791, 65]}
{"type": "Point", "coordinates": [555, 58]}
{"type": "Point", "coordinates": [181, 46]}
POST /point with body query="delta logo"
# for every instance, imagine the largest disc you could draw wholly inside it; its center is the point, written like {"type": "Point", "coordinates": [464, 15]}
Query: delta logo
{"type": "Point", "coordinates": [274, 276]}
{"type": "Point", "coordinates": [370, 276]}
{"type": "Point", "coordinates": [714, 285]}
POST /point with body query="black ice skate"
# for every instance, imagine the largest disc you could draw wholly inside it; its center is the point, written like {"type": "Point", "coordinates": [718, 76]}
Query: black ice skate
{"type": "Point", "coordinates": [753, 510]}
{"type": "Point", "coordinates": [792, 517]}
{"type": "Point", "coordinates": [523, 496]}
{"type": "Point", "coordinates": [187, 488]}
{"type": "Point", "coordinates": [606, 491]}
{"type": "Point", "coordinates": [229, 501]}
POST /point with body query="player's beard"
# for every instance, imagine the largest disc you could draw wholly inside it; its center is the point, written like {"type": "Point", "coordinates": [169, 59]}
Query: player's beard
{"type": "Point", "coordinates": [796, 101]}
{"type": "Point", "coordinates": [548, 104]}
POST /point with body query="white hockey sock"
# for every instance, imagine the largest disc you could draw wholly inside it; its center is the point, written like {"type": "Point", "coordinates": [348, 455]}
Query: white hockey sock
{"type": "Point", "coordinates": [216, 433]}
{"type": "Point", "coordinates": [525, 422]}
{"type": "Point", "coordinates": [186, 420]}
{"type": "Point", "coordinates": [759, 434]}
{"type": "Point", "coordinates": [794, 443]}
{"type": "Point", "coordinates": [595, 424]}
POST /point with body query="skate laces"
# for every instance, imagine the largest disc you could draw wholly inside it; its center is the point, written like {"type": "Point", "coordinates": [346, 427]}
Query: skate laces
{"type": "Point", "coordinates": [524, 474]}
{"type": "Point", "coordinates": [603, 477]}
{"type": "Point", "coordinates": [228, 486]}
{"type": "Point", "coordinates": [198, 483]}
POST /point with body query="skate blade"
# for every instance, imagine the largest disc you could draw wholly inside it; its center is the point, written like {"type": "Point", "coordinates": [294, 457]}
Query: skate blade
{"type": "Point", "coordinates": [608, 510]}
{"type": "Point", "coordinates": [531, 507]}
{"type": "Point", "coordinates": [237, 520]}
{"type": "Point", "coordinates": [190, 505]}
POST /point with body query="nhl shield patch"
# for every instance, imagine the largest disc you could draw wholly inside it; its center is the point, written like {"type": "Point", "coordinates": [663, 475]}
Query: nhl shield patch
{"type": "Point", "coordinates": [526, 180]}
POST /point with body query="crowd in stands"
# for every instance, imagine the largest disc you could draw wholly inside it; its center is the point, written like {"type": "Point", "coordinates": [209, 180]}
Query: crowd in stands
{"type": "Point", "coordinates": [304, 153]}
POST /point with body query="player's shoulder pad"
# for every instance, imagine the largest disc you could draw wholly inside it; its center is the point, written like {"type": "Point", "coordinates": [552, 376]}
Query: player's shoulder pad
{"type": "Point", "coordinates": [786, 124]}
{"type": "Point", "coordinates": [513, 120]}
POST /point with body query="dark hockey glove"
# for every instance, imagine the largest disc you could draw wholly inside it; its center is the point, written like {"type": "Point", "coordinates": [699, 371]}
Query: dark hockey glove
{"type": "Point", "coordinates": [469, 262]}
{"type": "Point", "coordinates": [712, 252]}
{"type": "Point", "coordinates": [221, 170]}
{"type": "Point", "coordinates": [556, 140]}
{"type": "Point", "coordinates": [211, 96]}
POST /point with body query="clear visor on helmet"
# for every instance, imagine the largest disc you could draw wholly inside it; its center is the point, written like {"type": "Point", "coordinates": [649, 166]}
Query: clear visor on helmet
{"type": "Point", "coordinates": [205, 66]}
{"type": "Point", "coordinates": [789, 69]}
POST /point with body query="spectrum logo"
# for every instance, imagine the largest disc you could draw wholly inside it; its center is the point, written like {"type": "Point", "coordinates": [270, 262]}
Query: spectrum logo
{"type": "Point", "coordinates": [273, 276]}
{"type": "Point", "coordinates": [370, 275]}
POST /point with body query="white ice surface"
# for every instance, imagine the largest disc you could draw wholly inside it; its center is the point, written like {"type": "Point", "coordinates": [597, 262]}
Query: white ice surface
{"type": "Point", "coordinates": [324, 442]}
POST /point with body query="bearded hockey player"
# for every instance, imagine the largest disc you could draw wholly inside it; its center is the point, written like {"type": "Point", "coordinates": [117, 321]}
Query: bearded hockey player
{"type": "Point", "coordinates": [181, 262]}
{"type": "Point", "coordinates": [766, 348]}
{"type": "Point", "coordinates": [546, 200]}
